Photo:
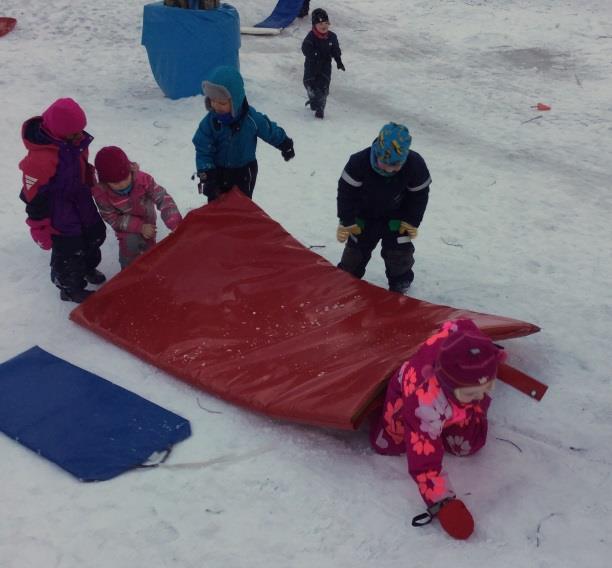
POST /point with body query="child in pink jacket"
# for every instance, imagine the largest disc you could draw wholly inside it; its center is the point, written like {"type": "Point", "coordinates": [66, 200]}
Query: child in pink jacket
{"type": "Point", "coordinates": [437, 401]}
{"type": "Point", "coordinates": [127, 198]}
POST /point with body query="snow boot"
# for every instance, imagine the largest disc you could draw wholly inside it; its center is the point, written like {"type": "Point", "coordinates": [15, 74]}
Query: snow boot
{"type": "Point", "coordinates": [94, 276]}
{"type": "Point", "coordinates": [400, 288]}
{"type": "Point", "coordinates": [319, 113]}
{"type": "Point", "coordinates": [76, 296]}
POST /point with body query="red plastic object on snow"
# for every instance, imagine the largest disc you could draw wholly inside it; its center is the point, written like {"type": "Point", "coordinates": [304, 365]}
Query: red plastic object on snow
{"type": "Point", "coordinates": [233, 304]}
{"type": "Point", "coordinates": [6, 25]}
{"type": "Point", "coordinates": [541, 106]}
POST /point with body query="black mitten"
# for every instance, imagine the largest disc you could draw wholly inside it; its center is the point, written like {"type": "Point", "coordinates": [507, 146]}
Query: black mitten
{"type": "Point", "coordinates": [208, 183]}
{"type": "Point", "coordinates": [286, 149]}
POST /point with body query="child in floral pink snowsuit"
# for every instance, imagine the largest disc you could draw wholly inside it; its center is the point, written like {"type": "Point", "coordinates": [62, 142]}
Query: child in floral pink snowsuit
{"type": "Point", "coordinates": [126, 198]}
{"type": "Point", "coordinates": [437, 401]}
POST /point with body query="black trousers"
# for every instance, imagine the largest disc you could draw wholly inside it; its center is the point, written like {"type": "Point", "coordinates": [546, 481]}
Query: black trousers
{"type": "Point", "coordinates": [244, 178]}
{"type": "Point", "coordinates": [317, 89]}
{"type": "Point", "coordinates": [73, 257]}
{"type": "Point", "coordinates": [397, 252]}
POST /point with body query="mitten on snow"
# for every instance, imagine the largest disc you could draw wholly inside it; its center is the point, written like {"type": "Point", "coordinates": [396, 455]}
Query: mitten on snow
{"type": "Point", "coordinates": [408, 229]}
{"type": "Point", "coordinates": [208, 183]}
{"type": "Point", "coordinates": [454, 517]}
{"type": "Point", "coordinates": [41, 231]}
{"type": "Point", "coordinates": [456, 520]}
{"type": "Point", "coordinates": [340, 65]}
{"type": "Point", "coordinates": [343, 233]}
{"type": "Point", "coordinates": [286, 149]}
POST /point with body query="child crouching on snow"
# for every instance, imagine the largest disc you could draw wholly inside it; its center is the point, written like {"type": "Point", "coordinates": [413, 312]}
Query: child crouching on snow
{"type": "Point", "coordinates": [127, 198]}
{"type": "Point", "coordinates": [436, 401]}
{"type": "Point", "coordinates": [226, 139]}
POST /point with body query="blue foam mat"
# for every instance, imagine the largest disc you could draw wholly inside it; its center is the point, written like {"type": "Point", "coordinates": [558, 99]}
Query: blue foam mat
{"type": "Point", "coordinates": [85, 424]}
{"type": "Point", "coordinates": [283, 14]}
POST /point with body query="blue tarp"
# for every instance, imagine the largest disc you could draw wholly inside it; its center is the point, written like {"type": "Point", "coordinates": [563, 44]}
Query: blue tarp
{"type": "Point", "coordinates": [283, 14]}
{"type": "Point", "coordinates": [87, 425]}
{"type": "Point", "coordinates": [184, 46]}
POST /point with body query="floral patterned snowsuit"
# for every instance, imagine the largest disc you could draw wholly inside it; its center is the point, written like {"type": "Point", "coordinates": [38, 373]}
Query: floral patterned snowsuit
{"type": "Point", "coordinates": [421, 417]}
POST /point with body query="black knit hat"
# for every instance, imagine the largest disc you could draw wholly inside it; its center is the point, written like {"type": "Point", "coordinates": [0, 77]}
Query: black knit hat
{"type": "Point", "coordinates": [319, 15]}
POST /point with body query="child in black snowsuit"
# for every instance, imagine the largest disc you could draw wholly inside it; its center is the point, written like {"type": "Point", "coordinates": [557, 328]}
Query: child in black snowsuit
{"type": "Point", "coordinates": [319, 47]}
{"type": "Point", "coordinates": [382, 196]}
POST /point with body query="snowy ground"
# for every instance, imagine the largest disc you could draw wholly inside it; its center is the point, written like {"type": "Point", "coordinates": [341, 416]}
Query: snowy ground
{"type": "Point", "coordinates": [518, 224]}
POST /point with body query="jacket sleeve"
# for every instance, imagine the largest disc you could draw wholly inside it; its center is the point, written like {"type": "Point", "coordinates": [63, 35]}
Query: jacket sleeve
{"type": "Point", "coordinates": [268, 130]}
{"type": "Point", "coordinates": [120, 222]}
{"type": "Point", "coordinates": [205, 145]}
{"type": "Point", "coordinates": [38, 169]}
{"type": "Point", "coordinates": [414, 205]}
{"type": "Point", "coordinates": [350, 185]}
{"type": "Point", "coordinates": [336, 53]}
{"type": "Point", "coordinates": [424, 417]}
{"type": "Point", "coordinates": [416, 194]}
{"type": "Point", "coordinates": [309, 48]}
{"type": "Point", "coordinates": [165, 204]}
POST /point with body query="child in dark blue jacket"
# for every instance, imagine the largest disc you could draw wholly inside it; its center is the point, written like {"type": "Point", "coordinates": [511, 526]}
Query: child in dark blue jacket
{"type": "Point", "coordinates": [226, 139]}
{"type": "Point", "coordinates": [382, 196]}
{"type": "Point", "coordinates": [319, 47]}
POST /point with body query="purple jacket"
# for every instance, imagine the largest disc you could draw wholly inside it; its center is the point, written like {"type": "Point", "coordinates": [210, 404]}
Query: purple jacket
{"type": "Point", "coordinates": [57, 180]}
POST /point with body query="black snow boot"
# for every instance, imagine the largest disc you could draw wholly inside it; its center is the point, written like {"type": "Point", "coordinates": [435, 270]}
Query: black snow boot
{"type": "Point", "coordinates": [94, 276]}
{"type": "Point", "coordinates": [76, 296]}
{"type": "Point", "coordinates": [319, 113]}
{"type": "Point", "coordinates": [400, 288]}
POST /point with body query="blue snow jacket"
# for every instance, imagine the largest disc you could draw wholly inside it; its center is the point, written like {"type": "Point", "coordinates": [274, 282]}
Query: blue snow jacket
{"type": "Point", "coordinates": [232, 145]}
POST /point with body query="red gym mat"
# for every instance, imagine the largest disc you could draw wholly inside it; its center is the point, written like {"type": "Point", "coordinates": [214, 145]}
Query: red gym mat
{"type": "Point", "coordinates": [234, 305]}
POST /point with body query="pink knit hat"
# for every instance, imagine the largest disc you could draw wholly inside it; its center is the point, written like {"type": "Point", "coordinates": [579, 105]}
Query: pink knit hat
{"type": "Point", "coordinates": [63, 118]}
{"type": "Point", "coordinates": [112, 164]}
{"type": "Point", "coordinates": [467, 358]}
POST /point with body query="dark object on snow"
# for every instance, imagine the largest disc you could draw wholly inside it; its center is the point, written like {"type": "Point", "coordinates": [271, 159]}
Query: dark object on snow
{"type": "Point", "coordinates": [304, 9]}
{"type": "Point", "coordinates": [85, 424]}
{"type": "Point", "coordinates": [76, 296]}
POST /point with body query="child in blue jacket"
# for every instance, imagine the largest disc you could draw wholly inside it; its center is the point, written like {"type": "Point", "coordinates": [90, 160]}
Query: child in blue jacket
{"type": "Point", "coordinates": [226, 139]}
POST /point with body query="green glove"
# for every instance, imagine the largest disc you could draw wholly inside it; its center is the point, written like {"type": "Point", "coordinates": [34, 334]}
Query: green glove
{"type": "Point", "coordinates": [394, 225]}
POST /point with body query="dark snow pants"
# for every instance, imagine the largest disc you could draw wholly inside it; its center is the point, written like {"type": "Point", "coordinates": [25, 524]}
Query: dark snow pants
{"type": "Point", "coordinates": [74, 257]}
{"type": "Point", "coordinates": [243, 177]}
{"type": "Point", "coordinates": [317, 89]}
{"type": "Point", "coordinates": [397, 252]}
{"type": "Point", "coordinates": [131, 246]}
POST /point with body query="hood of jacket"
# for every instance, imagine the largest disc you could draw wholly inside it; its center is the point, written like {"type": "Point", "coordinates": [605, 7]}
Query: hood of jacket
{"type": "Point", "coordinates": [228, 80]}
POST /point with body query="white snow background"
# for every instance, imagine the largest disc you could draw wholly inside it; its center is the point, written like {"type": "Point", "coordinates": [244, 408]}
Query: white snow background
{"type": "Point", "coordinates": [518, 224]}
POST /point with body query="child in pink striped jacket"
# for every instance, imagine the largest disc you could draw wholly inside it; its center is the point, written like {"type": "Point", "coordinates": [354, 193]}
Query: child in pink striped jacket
{"type": "Point", "coordinates": [127, 198]}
